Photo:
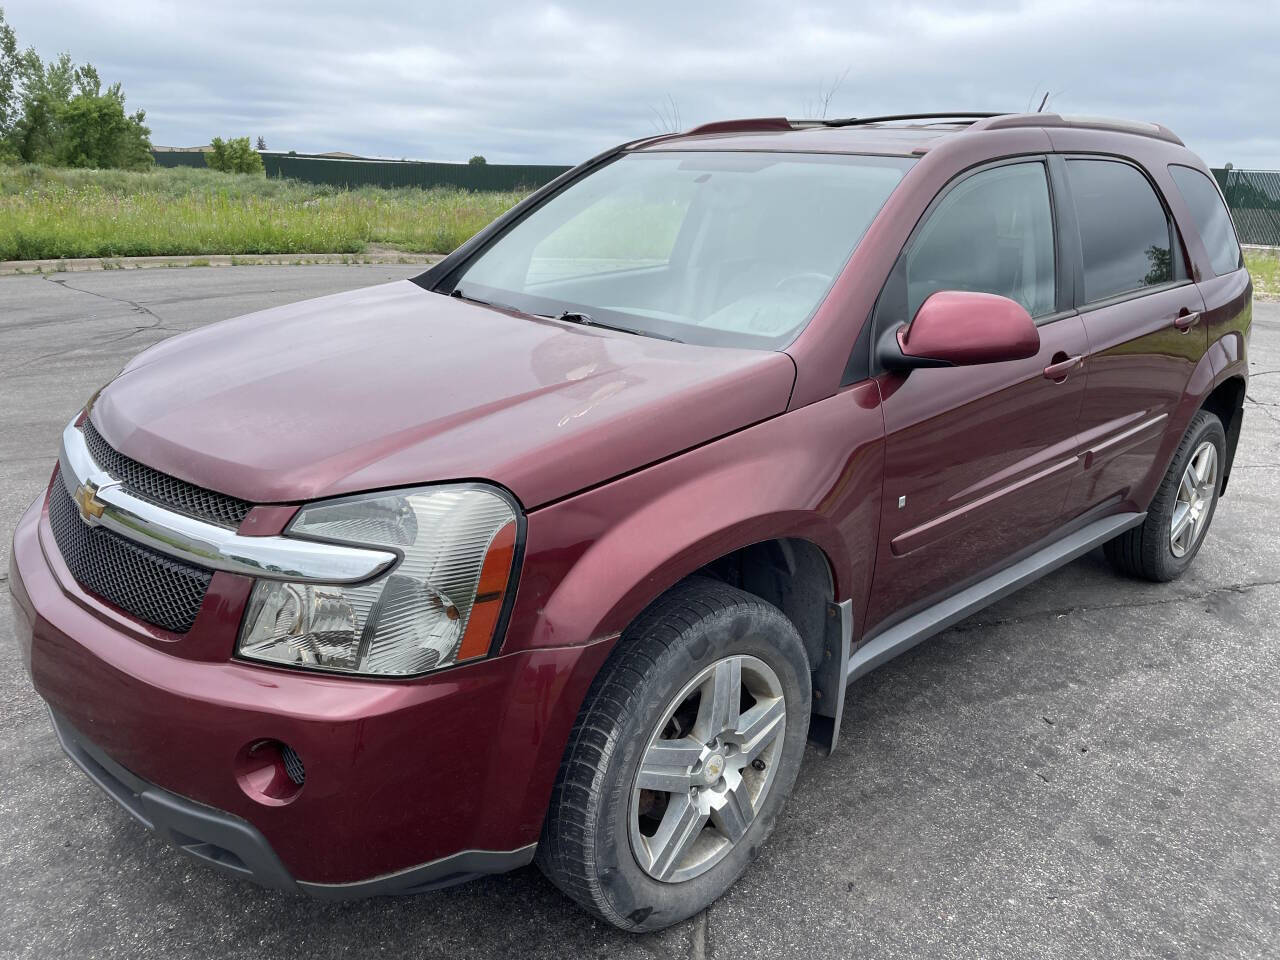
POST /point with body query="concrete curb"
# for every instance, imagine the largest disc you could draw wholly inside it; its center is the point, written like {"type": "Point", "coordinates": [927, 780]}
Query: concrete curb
{"type": "Point", "coordinates": [80, 265]}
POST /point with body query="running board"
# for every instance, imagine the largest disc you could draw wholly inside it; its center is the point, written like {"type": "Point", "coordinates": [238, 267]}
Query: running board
{"type": "Point", "coordinates": [905, 635]}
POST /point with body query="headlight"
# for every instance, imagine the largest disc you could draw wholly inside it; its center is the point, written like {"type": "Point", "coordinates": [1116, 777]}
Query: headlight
{"type": "Point", "coordinates": [438, 606]}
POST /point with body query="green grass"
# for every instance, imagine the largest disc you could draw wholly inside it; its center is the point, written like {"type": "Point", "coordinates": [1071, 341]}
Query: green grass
{"type": "Point", "coordinates": [55, 213]}
{"type": "Point", "coordinates": [1264, 267]}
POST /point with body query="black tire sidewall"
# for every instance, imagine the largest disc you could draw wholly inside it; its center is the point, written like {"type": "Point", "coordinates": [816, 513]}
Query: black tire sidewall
{"type": "Point", "coordinates": [752, 630]}
{"type": "Point", "coordinates": [1160, 554]}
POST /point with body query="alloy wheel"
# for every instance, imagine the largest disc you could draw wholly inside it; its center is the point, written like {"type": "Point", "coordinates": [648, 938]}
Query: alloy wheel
{"type": "Point", "coordinates": [1196, 492]}
{"type": "Point", "coordinates": [707, 768]}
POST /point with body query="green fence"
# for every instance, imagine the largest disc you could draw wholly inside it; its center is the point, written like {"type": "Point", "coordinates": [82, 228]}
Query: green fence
{"type": "Point", "coordinates": [406, 173]}
{"type": "Point", "coordinates": [168, 158]}
{"type": "Point", "coordinates": [388, 173]}
{"type": "Point", "coordinates": [1254, 199]}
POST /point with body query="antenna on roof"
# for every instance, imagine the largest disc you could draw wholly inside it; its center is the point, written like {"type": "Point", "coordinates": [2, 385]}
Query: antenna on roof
{"type": "Point", "coordinates": [1043, 101]}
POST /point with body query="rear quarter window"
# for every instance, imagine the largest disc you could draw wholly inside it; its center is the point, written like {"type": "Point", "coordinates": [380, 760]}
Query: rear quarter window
{"type": "Point", "coordinates": [1125, 235]}
{"type": "Point", "coordinates": [1210, 216]}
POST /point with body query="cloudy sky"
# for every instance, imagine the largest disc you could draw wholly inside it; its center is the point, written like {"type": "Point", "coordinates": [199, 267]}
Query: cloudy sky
{"type": "Point", "coordinates": [556, 83]}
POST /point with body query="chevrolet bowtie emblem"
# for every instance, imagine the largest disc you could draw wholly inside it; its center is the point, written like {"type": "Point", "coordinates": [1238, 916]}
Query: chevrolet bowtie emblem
{"type": "Point", "coordinates": [88, 503]}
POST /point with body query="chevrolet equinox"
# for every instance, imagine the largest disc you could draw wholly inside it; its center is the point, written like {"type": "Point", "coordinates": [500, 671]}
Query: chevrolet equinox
{"type": "Point", "coordinates": [561, 551]}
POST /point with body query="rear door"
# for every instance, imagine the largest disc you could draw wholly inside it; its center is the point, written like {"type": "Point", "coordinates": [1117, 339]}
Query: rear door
{"type": "Point", "coordinates": [978, 459]}
{"type": "Point", "coordinates": [1143, 318]}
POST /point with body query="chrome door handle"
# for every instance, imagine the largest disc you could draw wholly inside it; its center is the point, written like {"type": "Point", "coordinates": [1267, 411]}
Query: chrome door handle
{"type": "Point", "coordinates": [1058, 371]}
{"type": "Point", "coordinates": [1186, 321]}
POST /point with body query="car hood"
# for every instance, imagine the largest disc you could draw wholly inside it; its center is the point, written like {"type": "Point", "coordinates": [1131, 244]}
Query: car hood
{"type": "Point", "coordinates": [393, 385]}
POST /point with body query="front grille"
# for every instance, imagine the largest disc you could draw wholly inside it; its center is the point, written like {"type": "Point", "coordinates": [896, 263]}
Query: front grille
{"type": "Point", "coordinates": [162, 489]}
{"type": "Point", "coordinates": [146, 584]}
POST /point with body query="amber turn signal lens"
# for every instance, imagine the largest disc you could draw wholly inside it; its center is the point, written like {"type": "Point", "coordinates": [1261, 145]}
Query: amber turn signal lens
{"type": "Point", "coordinates": [490, 593]}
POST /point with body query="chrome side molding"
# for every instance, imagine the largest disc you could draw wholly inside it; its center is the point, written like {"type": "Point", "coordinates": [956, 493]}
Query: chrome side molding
{"type": "Point", "coordinates": [901, 637]}
{"type": "Point", "coordinates": [102, 500]}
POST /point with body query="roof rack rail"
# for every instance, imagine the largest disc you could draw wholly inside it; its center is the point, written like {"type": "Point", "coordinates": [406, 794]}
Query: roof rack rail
{"type": "Point", "coordinates": [1140, 128]}
{"type": "Point", "coordinates": [954, 115]}
{"type": "Point", "coordinates": [746, 125]}
{"type": "Point", "coordinates": [976, 121]}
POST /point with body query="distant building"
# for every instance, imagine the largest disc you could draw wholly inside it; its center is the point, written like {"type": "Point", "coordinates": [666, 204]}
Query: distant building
{"type": "Point", "coordinates": [331, 155]}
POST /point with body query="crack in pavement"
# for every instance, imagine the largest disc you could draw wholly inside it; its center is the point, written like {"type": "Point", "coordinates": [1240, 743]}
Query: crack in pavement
{"type": "Point", "coordinates": [698, 936]}
{"type": "Point", "coordinates": [137, 307]}
{"type": "Point", "coordinates": [966, 626]}
{"type": "Point", "coordinates": [1263, 407]}
{"type": "Point", "coordinates": [102, 296]}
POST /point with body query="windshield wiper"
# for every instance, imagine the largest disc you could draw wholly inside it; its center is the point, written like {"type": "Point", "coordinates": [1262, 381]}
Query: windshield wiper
{"type": "Point", "coordinates": [457, 294]}
{"type": "Point", "coordinates": [586, 320]}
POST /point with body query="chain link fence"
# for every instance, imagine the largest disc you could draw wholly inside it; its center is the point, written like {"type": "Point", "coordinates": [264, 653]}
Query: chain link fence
{"type": "Point", "coordinates": [1254, 199]}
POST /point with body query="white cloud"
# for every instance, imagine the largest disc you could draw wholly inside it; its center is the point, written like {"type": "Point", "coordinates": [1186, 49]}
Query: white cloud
{"type": "Point", "coordinates": [556, 83]}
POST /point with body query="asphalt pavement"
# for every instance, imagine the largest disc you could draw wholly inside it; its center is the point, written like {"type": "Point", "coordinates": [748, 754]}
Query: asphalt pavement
{"type": "Point", "coordinates": [1089, 768]}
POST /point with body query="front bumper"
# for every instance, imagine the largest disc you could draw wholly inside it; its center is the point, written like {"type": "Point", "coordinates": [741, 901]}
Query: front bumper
{"type": "Point", "coordinates": [409, 784]}
{"type": "Point", "coordinates": [236, 847]}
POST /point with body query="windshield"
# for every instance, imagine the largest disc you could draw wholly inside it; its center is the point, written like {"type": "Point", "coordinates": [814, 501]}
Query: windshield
{"type": "Point", "coordinates": [730, 249]}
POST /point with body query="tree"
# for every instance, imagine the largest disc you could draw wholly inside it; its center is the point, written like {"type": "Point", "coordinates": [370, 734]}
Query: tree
{"type": "Point", "coordinates": [666, 116]}
{"type": "Point", "coordinates": [95, 131]}
{"type": "Point", "coordinates": [233, 156]}
{"type": "Point", "coordinates": [261, 144]}
{"type": "Point", "coordinates": [57, 112]}
{"type": "Point", "coordinates": [9, 76]}
{"type": "Point", "coordinates": [21, 83]}
{"type": "Point", "coordinates": [817, 109]}
{"type": "Point", "coordinates": [477, 161]}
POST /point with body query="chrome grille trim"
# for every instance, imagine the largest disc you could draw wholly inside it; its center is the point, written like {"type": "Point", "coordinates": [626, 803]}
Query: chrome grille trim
{"type": "Point", "coordinates": [203, 544]}
{"type": "Point", "coordinates": [161, 488]}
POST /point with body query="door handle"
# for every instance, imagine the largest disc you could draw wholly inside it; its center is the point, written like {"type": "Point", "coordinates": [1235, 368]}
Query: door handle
{"type": "Point", "coordinates": [1058, 370]}
{"type": "Point", "coordinates": [1185, 321]}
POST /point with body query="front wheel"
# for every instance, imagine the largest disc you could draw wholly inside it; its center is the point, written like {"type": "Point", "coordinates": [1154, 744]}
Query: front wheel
{"type": "Point", "coordinates": [682, 757]}
{"type": "Point", "coordinates": [1180, 513]}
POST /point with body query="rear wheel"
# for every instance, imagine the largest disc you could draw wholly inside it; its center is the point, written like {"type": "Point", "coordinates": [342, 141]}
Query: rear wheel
{"type": "Point", "coordinates": [681, 759]}
{"type": "Point", "coordinates": [1180, 513]}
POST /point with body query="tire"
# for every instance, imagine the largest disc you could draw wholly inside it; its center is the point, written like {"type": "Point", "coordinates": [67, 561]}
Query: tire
{"type": "Point", "coordinates": [1149, 551]}
{"type": "Point", "coordinates": [594, 845]}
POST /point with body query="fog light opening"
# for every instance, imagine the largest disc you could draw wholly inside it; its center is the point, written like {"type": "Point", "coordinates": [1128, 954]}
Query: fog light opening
{"type": "Point", "coordinates": [293, 767]}
{"type": "Point", "coordinates": [270, 772]}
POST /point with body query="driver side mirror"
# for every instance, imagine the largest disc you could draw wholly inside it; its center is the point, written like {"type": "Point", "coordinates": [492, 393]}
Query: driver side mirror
{"type": "Point", "coordinates": [957, 328]}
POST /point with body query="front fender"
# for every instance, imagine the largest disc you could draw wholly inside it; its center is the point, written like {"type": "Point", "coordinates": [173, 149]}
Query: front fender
{"type": "Point", "coordinates": [595, 560]}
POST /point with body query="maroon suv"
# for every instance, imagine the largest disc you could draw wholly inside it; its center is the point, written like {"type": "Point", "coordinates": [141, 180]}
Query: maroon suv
{"type": "Point", "coordinates": [562, 550]}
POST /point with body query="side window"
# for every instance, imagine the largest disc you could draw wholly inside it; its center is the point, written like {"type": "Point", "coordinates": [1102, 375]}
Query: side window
{"type": "Point", "coordinates": [1124, 232]}
{"type": "Point", "coordinates": [1210, 216]}
{"type": "Point", "coordinates": [990, 233]}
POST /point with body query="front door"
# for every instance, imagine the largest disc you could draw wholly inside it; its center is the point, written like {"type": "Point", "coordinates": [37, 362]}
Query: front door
{"type": "Point", "coordinates": [978, 459]}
